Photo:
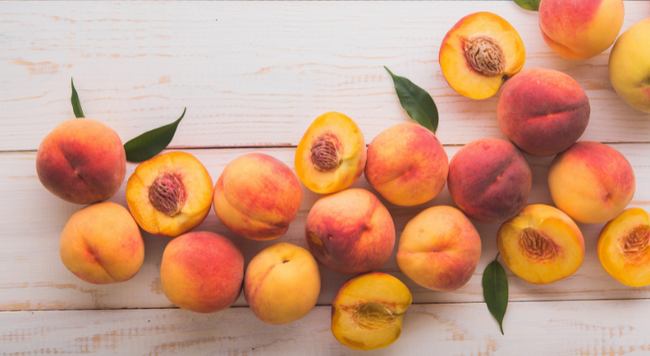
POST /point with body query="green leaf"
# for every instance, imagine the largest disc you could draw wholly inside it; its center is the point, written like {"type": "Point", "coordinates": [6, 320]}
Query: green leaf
{"type": "Point", "coordinates": [416, 101]}
{"type": "Point", "coordinates": [76, 105]}
{"type": "Point", "coordinates": [495, 290]}
{"type": "Point", "coordinates": [151, 142]}
{"type": "Point", "coordinates": [532, 5]}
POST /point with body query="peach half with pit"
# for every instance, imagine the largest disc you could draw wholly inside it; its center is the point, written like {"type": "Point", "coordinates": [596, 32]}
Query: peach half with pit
{"type": "Point", "coordinates": [102, 244]}
{"type": "Point", "coordinates": [350, 231]}
{"type": "Point", "coordinates": [624, 248]}
{"type": "Point", "coordinates": [368, 311]}
{"type": "Point", "coordinates": [282, 283]}
{"type": "Point", "coordinates": [407, 165]}
{"type": "Point", "coordinates": [543, 111]}
{"type": "Point", "coordinates": [580, 29]}
{"type": "Point", "coordinates": [541, 244]}
{"type": "Point", "coordinates": [439, 249]}
{"type": "Point", "coordinates": [480, 53]}
{"type": "Point", "coordinates": [202, 272]}
{"type": "Point", "coordinates": [169, 194]}
{"type": "Point", "coordinates": [81, 161]}
{"type": "Point", "coordinates": [257, 196]}
{"type": "Point", "coordinates": [331, 156]}
{"type": "Point", "coordinates": [489, 180]}
{"type": "Point", "coordinates": [629, 68]}
{"type": "Point", "coordinates": [591, 182]}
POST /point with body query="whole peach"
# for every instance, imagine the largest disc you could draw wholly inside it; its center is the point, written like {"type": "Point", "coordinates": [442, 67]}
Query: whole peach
{"type": "Point", "coordinates": [591, 182]}
{"type": "Point", "coordinates": [439, 249]}
{"type": "Point", "coordinates": [543, 111]}
{"type": "Point", "coordinates": [407, 165]}
{"type": "Point", "coordinates": [81, 161]}
{"type": "Point", "coordinates": [350, 231]}
{"type": "Point", "coordinates": [202, 272]}
{"type": "Point", "coordinates": [102, 244]}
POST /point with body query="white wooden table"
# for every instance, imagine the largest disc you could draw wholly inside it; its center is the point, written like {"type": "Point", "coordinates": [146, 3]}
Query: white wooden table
{"type": "Point", "coordinates": [253, 76]}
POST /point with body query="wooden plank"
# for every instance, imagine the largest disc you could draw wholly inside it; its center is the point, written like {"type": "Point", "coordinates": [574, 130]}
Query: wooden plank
{"type": "Point", "coordinates": [257, 74]}
{"type": "Point", "coordinates": [34, 277]}
{"type": "Point", "coordinates": [531, 328]}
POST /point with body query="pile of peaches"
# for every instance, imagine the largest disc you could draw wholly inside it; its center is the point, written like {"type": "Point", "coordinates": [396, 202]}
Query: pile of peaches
{"type": "Point", "coordinates": [542, 112]}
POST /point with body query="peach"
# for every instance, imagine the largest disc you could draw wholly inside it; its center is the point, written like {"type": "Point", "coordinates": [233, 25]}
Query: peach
{"type": "Point", "coordinates": [169, 194]}
{"type": "Point", "coordinates": [407, 165]}
{"type": "Point", "coordinates": [591, 182]}
{"type": "Point", "coordinates": [624, 248]}
{"type": "Point", "coordinates": [368, 311]}
{"type": "Point", "coordinates": [102, 244]}
{"type": "Point", "coordinates": [489, 180]}
{"type": "Point", "coordinates": [439, 249]}
{"type": "Point", "coordinates": [580, 29]}
{"type": "Point", "coordinates": [480, 53]}
{"type": "Point", "coordinates": [331, 155]}
{"type": "Point", "coordinates": [541, 244]}
{"type": "Point", "coordinates": [350, 231]}
{"type": "Point", "coordinates": [257, 197]}
{"type": "Point", "coordinates": [202, 272]}
{"type": "Point", "coordinates": [82, 161]}
{"type": "Point", "coordinates": [282, 283]}
{"type": "Point", "coordinates": [629, 68]}
{"type": "Point", "coordinates": [543, 111]}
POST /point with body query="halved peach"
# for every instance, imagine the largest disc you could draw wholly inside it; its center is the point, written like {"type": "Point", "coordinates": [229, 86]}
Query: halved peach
{"type": "Point", "coordinates": [331, 156]}
{"type": "Point", "coordinates": [480, 53]}
{"type": "Point", "coordinates": [624, 248]}
{"type": "Point", "coordinates": [541, 244]}
{"type": "Point", "coordinates": [169, 194]}
{"type": "Point", "coordinates": [368, 311]}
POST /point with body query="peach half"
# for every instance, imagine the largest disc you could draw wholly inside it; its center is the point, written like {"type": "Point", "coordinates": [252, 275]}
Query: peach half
{"type": "Point", "coordinates": [350, 231]}
{"type": "Point", "coordinates": [331, 155]}
{"type": "Point", "coordinates": [489, 180]}
{"type": "Point", "coordinates": [407, 165]}
{"type": "Point", "coordinates": [629, 68]}
{"type": "Point", "coordinates": [439, 249]}
{"type": "Point", "coordinates": [480, 53]}
{"type": "Point", "coordinates": [368, 311]}
{"type": "Point", "coordinates": [543, 111]}
{"type": "Point", "coordinates": [580, 29]}
{"type": "Point", "coordinates": [591, 182]}
{"type": "Point", "coordinates": [169, 194]}
{"type": "Point", "coordinates": [82, 161]}
{"type": "Point", "coordinates": [102, 244]}
{"type": "Point", "coordinates": [624, 248]}
{"type": "Point", "coordinates": [282, 283]}
{"type": "Point", "coordinates": [541, 244]}
{"type": "Point", "coordinates": [202, 272]}
{"type": "Point", "coordinates": [257, 196]}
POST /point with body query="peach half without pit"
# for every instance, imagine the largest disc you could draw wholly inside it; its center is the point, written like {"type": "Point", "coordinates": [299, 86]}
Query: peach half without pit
{"type": "Point", "coordinates": [489, 180]}
{"type": "Point", "coordinates": [257, 197]}
{"type": "Point", "coordinates": [368, 311]}
{"type": "Point", "coordinates": [331, 156]}
{"type": "Point", "coordinates": [543, 111]}
{"type": "Point", "coordinates": [169, 194]}
{"type": "Point", "coordinates": [480, 53]}
{"type": "Point", "coordinates": [624, 248]}
{"type": "Point", "coordinates": [541, 244]}
{"type": "Point", "coordinates": [82, 161]}
{"type": "Point", "coordinates": [350, 231]}
{"type": "Point", "coordinates": [102, 244]}
{"type": "Point", "coordinates": [407, 165]}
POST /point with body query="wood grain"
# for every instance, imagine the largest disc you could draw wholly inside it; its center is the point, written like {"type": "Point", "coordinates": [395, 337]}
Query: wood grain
{"type": "Point", "coordinates": [258, 73]}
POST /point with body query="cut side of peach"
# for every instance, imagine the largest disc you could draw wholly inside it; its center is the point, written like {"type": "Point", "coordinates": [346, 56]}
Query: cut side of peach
{"type": "Point", "coordinates": [624, 248]}
{"type": "Point", "coordinates": [331, 156]}
{"type": "Point", "coordinates": [368, 311]}
{"type": "Point", "coordinates": [480, 53]}
{"type": "Point", "coordinates": [541, 244]}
